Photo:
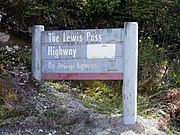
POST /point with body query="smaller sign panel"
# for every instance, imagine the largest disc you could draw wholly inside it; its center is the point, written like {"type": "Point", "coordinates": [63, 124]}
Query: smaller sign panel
{"type": "Point", "coordinates": [100, 51]}
{"type": "Point", "coordinates": [82, 66]}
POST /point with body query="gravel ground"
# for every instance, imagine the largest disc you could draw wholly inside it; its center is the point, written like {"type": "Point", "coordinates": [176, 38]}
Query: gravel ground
{"type": "Point", "coordinates": [50, 112]}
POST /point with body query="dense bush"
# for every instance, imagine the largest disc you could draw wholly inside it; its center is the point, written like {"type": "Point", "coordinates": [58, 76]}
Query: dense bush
{"type": "Point", "coordinates": [156, 70]}
{"type": "Point", "coordinates": [19, 16]}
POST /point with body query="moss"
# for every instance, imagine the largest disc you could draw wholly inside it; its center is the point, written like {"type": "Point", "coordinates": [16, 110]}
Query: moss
{"type": "Point", "coordinates": [6, 93]}
{"type": "Point", "coordinates": [55, 113]}
{"type": "Point", "coordinates": [59, 86]}
{"type": "Point", "coordinates": [5, 113]}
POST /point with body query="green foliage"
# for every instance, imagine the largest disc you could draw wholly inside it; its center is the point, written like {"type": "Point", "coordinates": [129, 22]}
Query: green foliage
{"type": "Point", "coordinates": [9, 113]}
{"type": "Point", "coordinates": [107, 105]}
{"type": "Point", "coordinates": [12, 57]}
{"type": "Point", "coordinates": [52, 113]}
{"type": "Point", "coordinates": [6, 93]}
{"type": "Point", "coordinates": [59, 86]}
{"type": "Point", "coordinates": [172, 130]}
{"type": "Point", "coordinates": [156, 70]}
{"type": "Point", "coordinates": [2, 71]}
{"type": "Point", "coordinates": [158, 19]}
{"type": "Point", "coordinates": [145, 108]}
{"type": "Point", "coordinates": [103, 105]}
{"type": "Point", "coordinates": [19, 16]}
{"type": "Point", "coordinates": [106, 95]}
{"type": "Point", "coordinates": [99, 89]}
{"type": "Point", "coordinates": [3, 113]}
{"type": "Point", "coordinates": [99, 13]}
{"type": "Point", "coordinates": [152, 65]}
{"type": "Point", "coordinates": [174, 71]}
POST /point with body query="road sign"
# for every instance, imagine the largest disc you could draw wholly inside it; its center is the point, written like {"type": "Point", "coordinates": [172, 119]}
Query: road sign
{"type": "Point", "coordinates": [90, 54]}
{"type": "Point", "coordinates": [82, 54]}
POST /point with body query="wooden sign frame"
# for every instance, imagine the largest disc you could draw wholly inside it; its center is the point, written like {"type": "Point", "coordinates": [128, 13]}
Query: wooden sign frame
{"type": "Point", "coordinates": [91, 54]}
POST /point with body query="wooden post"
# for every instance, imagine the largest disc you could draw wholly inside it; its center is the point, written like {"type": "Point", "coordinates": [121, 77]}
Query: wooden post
{"type": "Point", "coordinates": [130, 73]}
{"type": "Point", "coordinates": [36, 51]}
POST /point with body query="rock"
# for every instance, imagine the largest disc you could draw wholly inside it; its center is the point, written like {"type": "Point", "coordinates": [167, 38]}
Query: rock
{"type": "Point", "coordinates": [40, 130]}
{"type": "Point", "coordinates": [0, 17]}
{"type": "Point", "coordinates": [4, 37]}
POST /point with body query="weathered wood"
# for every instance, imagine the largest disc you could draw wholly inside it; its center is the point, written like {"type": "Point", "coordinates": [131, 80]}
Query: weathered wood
{"type": "Point", "coordinates": [36, 51]}
{"type": "Point", "coordinates": [130, 73]}
{"type": "Point", "coordinates": [82, 76]}
{"type": "Point", "coordinates": [83, 66]}
{"type": "Point", "coordinates": [83, 51]}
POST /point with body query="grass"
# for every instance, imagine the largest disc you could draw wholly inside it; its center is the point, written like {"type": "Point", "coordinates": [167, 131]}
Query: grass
{"type": "Point", "coordinates": [145, 108]}
{"type": "Point", "coordinates": [107, 106]}
{"type": "Point", "coordinates": [87, 103]}
{"type": "Point", "coordinates": [108, 101]}
{"type": "Point", "coordinates": [52, 113]}
{"type": "Point", "coordinates": [6, 95]}
{"type": "Point", "coordinates": [103, 105]}
{"type": "Point", "coordinates": [6, 113]}
{"type": "Point", "coordinates": [59, 86]}
{"type": "Point", "coordinates": [172, 130]}
{"type": "Point", "coordinates": [3, 112]}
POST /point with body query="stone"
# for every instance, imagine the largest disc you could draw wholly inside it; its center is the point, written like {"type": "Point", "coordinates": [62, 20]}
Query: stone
{"type": "Point", "coordinates": [4, 37]}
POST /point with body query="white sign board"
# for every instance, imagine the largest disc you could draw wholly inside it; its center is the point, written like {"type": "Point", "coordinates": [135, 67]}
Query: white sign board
{"type": "Point", "coordinates": [90, 54]}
